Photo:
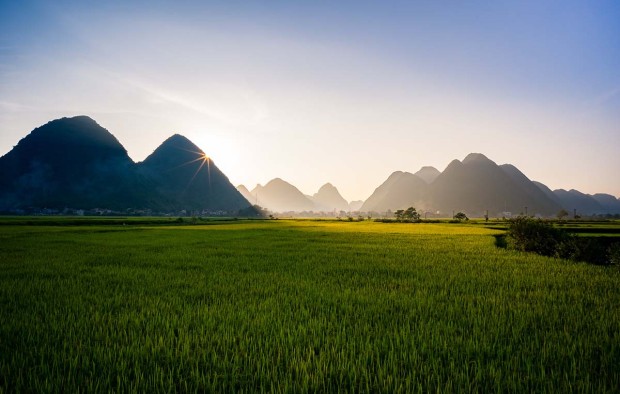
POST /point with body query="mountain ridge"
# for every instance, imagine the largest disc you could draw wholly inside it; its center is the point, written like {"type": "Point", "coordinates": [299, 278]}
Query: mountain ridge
{"type": "Point", "coordinates": [74, 162]}
{"type": "Point", "coordinates": [328, 198]}
{"type": "Point", "coordinates": [280, 196]}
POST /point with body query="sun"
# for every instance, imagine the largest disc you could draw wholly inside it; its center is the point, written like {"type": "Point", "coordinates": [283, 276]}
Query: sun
{"type": "Point", "coordinates": [203, 160]}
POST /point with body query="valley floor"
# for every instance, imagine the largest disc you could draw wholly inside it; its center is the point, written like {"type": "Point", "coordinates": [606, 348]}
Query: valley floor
{"type": "Point", "coordinates": [299, 306]}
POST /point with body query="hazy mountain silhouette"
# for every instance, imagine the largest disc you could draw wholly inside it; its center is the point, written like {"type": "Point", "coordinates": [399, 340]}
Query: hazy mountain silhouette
{"type": "Point", "coordinates": [544, 202]}
{"type": "Point", "coordinates": [473, 186]}
{"type": "Point", "coordinates": [574, 199]}
{"type": "Point", "coordinates": [428, 174]}
{"type": "Point", "coordinates": [478, 184]}
{"type": "Point", "coordinates": [584, 203]}
{"type": "Point", "coordinates": [356, 205]}
{"type": "Point", "coordinates": [401, 190]}
{"type": "Point", "coordinates": [246, 194]}
{"type": "Point", "coordinates": [183, 177]}
{"type": "Point", "coordinates": [548, 192]}
{"type": "Point", "coordinates": [280, 196]}
{"type": "Point", "coordinates": [328, 199]}
{"type": "Point", "coordinates": [75, 163]}
{"type": "Point", "coordinates": [69, 162]}
{"type": "Point", "coordinates": [609, 203]}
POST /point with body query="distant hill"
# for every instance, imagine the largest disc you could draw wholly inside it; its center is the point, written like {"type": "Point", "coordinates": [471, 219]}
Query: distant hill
{"type": "Point", "coordinates": [246, 194]}
{"type": "Point", "coordinates": [543, 202]}
{"type": "Point", "coordinates": [585, 204]}
{"type": "Point", "coordinates": [355, 205]}
{"type": "Point", "coordinates": [548, 192]}
{"type": "Point", "coordinates": [478, 184]}
{"type": "Point", "coordinates": [609, 203]}
{"type": "Point", "coordinates": [401, 190]}
{"type": "Point", "coordinates": [428, 174]}
{"type": "Point", "coordinates": [473, 186]}
{"type": "Point", "coordinates": [280, 196]}
{"type": "Point", "coordinates": [574, 199]}
{"type": "Point", "coordinates": [329, 199]}
{"type": "Point", "coordinates": [75, 163]}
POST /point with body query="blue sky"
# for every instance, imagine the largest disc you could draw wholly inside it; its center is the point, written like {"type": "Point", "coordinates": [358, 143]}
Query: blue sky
{"type": "Point", "coordinates": [340, 92]}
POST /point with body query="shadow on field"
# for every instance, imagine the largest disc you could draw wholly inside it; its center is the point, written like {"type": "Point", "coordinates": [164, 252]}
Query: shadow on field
{"type": "Point", "coordinates": [500, 241]}
{"type": "Point", "coordinates": [593, 250]}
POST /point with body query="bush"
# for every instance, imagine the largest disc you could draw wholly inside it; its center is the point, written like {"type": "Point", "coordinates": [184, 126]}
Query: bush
{"type": "Point", "coordinates": [613, 253]}
{"type": "Point", "coordinates": [460, 216]}
{"type": "Point", "coordinates": [592, 250]}
{"type": "Point", "coordinates": [539, 236]}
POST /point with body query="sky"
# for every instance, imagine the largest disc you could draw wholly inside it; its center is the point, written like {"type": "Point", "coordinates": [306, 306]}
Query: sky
{"type": "Point", "coordinates": [343, 92]}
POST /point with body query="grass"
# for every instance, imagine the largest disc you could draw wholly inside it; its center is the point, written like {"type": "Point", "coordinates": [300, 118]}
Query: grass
{"type": "Point", "coordinates": [299, 306]}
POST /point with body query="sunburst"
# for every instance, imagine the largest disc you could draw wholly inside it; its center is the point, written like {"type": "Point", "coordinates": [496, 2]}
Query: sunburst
{"type": "Point", "coordinates": [203, 159]}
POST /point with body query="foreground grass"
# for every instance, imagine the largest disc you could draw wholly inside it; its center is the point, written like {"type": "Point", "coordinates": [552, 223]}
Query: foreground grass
{"type": "Point", "coordinates": [299, 306]}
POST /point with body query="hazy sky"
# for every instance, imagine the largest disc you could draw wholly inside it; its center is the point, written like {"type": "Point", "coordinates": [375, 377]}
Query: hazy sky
{"type": "Point", "coordinates": [343, 92]}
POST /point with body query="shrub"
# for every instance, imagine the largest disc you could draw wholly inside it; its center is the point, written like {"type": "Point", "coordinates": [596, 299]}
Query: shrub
{"type": "Point", "coordinates": [539, 236]}
{"type": "Point", "coordinates": [592, 250]}
{"type": "Point", "coordinates": [613, 253]}
{"type": "Point", "coordinates": [461, 216]}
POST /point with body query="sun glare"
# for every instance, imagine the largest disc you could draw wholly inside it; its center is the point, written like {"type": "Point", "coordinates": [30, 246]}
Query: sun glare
{"type": "Point", "coordinates": [203, 159]}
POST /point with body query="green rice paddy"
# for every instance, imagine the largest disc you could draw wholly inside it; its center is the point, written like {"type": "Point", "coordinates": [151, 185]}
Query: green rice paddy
{"type": "Point", "coordinates": [298, 306]}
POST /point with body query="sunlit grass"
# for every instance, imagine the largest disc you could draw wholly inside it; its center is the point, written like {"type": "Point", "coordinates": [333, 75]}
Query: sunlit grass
{"type": "Point", "coordinates": [299, 306]}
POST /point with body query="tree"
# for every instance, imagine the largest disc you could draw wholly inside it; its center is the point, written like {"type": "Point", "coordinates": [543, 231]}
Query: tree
{"type": "Point", "coordinates": [461, 216]}
{"type": "Point", "coordinates": [399, 214]}
{"type": "Point", "coordinates": [562, 213]}
{"type": "Point", "coordinates": [411, 214]}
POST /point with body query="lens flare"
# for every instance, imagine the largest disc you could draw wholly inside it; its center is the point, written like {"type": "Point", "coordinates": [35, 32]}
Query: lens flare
{"type": "Point", "coordinates": [203, 159]}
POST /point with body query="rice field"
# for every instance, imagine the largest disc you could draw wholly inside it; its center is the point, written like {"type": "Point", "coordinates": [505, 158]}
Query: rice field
{"type": "Point", "coordinates": [298, 306]}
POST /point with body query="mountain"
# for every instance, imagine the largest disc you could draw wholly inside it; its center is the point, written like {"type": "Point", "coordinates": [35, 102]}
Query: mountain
{"type": "Point", "coordinates": [356, 205]}
{"type": "Point", "coordinates": [609, 203]}
{"type": "Point", "coordinates": [428, 174]}
{"type": "Point", "coordinates": [473, 186]}
{"type": "Point", "coordinates": [548, 192]}
{"type": "Point", "coordinates": [185, 178]}
{"type": "Point", "coordinates": [583, 203]}
{"type": "Point", "coordinates": [246, 194]}
{"type": "Point", "coordinates": [69, 162]}
{"type": "Point", "coordinates": [400, 191]}
{"type": "Point", "coordinates": [280, 196]}
{"type": "Point", "coordinates": [76, 163]}
{"type": "Point", "coordinates": [477, 184]}
{"type": "Point", "coordinates": [329, 199]}
{"type": "Point", "coordinates": [544, 202]}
